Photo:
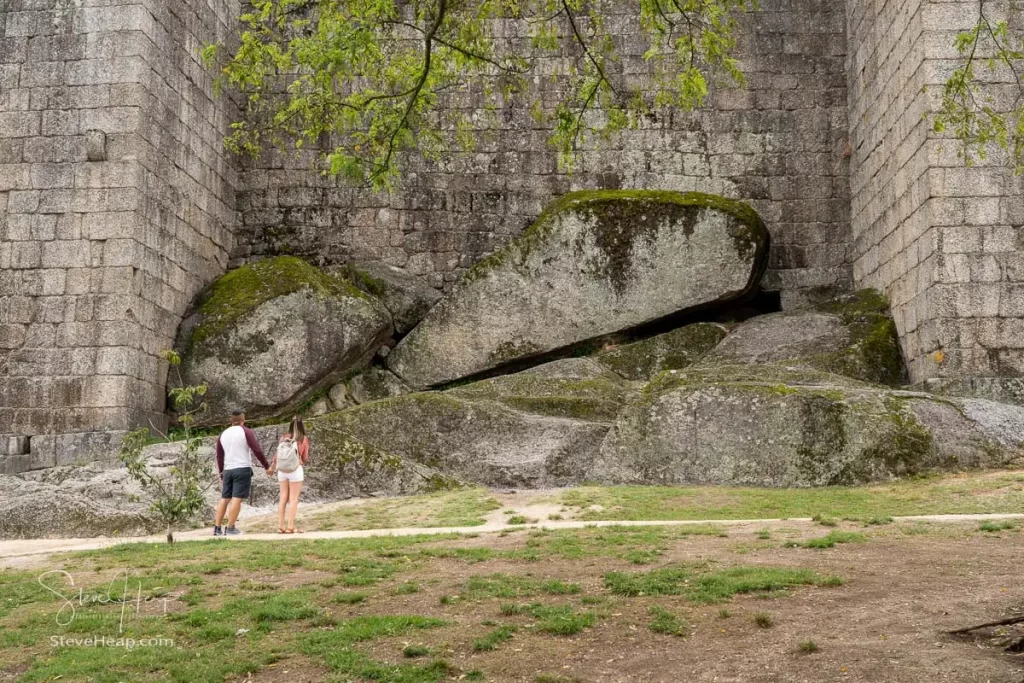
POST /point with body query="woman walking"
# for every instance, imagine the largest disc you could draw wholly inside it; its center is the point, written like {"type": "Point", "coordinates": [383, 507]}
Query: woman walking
{"type": "Point", "coordinates": [292, 453]}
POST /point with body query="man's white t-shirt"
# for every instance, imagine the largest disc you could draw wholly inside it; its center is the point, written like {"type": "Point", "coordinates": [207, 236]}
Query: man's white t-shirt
{"type": "Point", "coordinates": [238, 444]}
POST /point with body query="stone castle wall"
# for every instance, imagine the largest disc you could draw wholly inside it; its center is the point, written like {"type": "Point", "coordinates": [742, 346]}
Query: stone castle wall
{"type": "Point", "coordinates": [780, 144]}
{"type": "Point", "coordinates": [116, 206]}
{"type": "Point", "coordinates": [943, 240]}
{"type": "Point", "coordinates": [118, 201]}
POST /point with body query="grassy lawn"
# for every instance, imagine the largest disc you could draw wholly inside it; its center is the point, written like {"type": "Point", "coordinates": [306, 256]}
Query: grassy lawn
{"type": "Point", "coordinates": [465, 507]}
{"type": "Point", "coordinates": [989, 492]}
{"type": "Point", "coordinates": [512, 606]}
{"type": "Point", "coordinates": [962, 493]}
{"type": "Point", "coordinates": [235, 608]}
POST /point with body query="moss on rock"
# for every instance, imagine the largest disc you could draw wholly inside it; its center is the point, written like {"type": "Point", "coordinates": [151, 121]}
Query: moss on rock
{"type": "Point", "coordinates": [241, 290]}
{"type": "Point", "coordinates": [673, 350]}
{"type": "Point", "coordinates": [874, 353]}
{"type": "Point", "coordinates": [624, 216]}
{"type": "Point", "coordinates": [595, 399]}
{"type": "Point", "coordinates": [853, 336]}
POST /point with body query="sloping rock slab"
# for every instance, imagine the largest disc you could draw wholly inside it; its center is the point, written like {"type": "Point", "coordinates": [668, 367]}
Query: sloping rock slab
{"type": "Point", "coordinates": [673, 350]}
{"type": "Point", "coordinates": [343, 467]}
{"type": "Point", "coordinates": [52, 513]}
{"type": "Point", "coordinates": [267, 336]}
{"type": "Point", "coordinates": [853, 336]}
{"type": "Point", "coordinates": [573, 388]}
{"type": "Point", "coordinates": [375, 383]}
{"type": "Point", "coordinates": [594, 263]}
{"type": "Point", "coordinates": [685, 431]}
{"type": "Point", "coordinates": [404, 295]}
{"type": "Point", "coordinates": [473, 441]}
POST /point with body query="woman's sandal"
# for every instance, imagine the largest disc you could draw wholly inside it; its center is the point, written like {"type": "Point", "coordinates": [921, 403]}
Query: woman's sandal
{"type": "Point", "coordinates": [295, 531]}
{"type": "Point", "coordinates": [281, 531]}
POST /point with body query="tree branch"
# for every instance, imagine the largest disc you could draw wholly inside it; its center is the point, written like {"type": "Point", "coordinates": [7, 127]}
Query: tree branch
{"type": "Point", "coordinates": [586, 49]}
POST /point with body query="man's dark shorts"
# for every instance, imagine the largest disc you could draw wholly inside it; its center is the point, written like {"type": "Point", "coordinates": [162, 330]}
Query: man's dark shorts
{"type": "Point", "coordinates": [236, 483]}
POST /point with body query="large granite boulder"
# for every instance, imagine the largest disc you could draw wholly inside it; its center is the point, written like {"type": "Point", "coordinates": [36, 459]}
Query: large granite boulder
{"type": "Point", "coordinates": [269, 335]}
{"type": "Point", "coordinates": [777, 426]}
{"type": "Point", "coordinates": [674, 350]}
{"type": "Point", "coordinates": [375, 383]}
{"type": "Point", "coordinates": [541, 427]}
{"type": "Point", "coordinates": [594, 263]}
{"type": "Point", "coordinates": [407, 297]}
{"type": "Point", "coordinates": [853, 336]}
{"type": "Point", "coordinates": [30, 509]}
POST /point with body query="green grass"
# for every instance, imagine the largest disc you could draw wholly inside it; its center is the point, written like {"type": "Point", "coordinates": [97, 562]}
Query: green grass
{"type": "Point", "coordinates": [829, 541]}
{"type": "Point", "coordinates": [562, 620]}
{"type": "Point", "coordinates": [407, 588]}
{"type": "Point", "coordinates": [998, 525]}
{"type": "Point", "coordinates": [494, 638]}
{"type": "Point", "coordinates": [666, 622]}
{"type": "Point", "coordinates": [413, 651]}
{"type": "Point", "coordinates": [699, 584]}
{"type": "Point", "coordinates": [959, 493]}
{"type": "Point", "coordinates": [824, 521]}
{"type": "Point", "coordinates": [463, 507]}
{"type": "Point", "coordinates": [808, 647]}
{"type": "Point", "coordinates": [350, 598]}
{"type": "Point", "coordinates": [763, 620]}
{"type": "Point", "coordinates": [505, 586]}
{"type": "Point", "coordinates": [517, 519]}
{"type": "Point", "coordinates": [630, 543]}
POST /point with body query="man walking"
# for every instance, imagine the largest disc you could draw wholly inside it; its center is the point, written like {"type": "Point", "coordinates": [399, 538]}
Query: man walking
{"type": "Point", "coordinates": [235, 447]}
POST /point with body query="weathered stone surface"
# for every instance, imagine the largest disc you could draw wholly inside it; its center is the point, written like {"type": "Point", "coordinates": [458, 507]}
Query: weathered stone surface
{"type": "Point", "coordinates": [268, 335]}
{"type": "Point", "coordinates": [375, 383]}
{"type": "Point", "coordinates": [342, 467]}
{"type": "Point", "coordinates": [576, 388]}
{"type": "Point", "coordinates": [338, 395]}
{"type": "Point", "coordinates": [407, 297]}
{"type": "Point", "coordinates": [594, 263]}
{"type": "Point", "coordinates": [471, 440]}
{"type": "Point", "coordinates": [806, 431]}
{"type": "Point", "coordinates": [673, 350]}
{"type": "Point", "coordinates": [321, 406]}
{"type": "Point", "coordinates": [853, 336]}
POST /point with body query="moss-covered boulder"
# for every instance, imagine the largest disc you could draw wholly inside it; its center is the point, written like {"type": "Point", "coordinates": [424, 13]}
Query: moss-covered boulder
{"type": "Point", "coordinates": [853, 336]}
{"type": "Point", "coordinates": [573, 388]}
{"type": "Point", "coordinates": [673, 350]}
{"type": "Point", "coordinates": [269, 335]}
{"type": "Point", "coordinates": [536, 428]}
{"type": "Point", "coordinates": [594, 263]}
{"type": "Point", "coordinates": [794, 427]}
{"type": "Point", "coordinates": [405, 296]}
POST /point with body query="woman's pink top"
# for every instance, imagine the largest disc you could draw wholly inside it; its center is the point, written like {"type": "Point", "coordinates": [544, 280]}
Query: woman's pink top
{"type": "Point", "coordinates": [303, 450]}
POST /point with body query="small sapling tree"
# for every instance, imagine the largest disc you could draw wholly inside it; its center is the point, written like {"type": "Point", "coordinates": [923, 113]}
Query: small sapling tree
{"type": "Point", "coordinates": [177, 492]}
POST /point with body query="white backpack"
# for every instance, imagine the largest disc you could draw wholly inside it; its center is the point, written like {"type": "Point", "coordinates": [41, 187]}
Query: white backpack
{"type": "Point", "coordinates": [288, 456]}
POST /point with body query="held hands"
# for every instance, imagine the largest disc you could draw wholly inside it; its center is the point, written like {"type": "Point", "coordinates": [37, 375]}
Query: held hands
{"type": "Point", "coordinates": [270, 471]}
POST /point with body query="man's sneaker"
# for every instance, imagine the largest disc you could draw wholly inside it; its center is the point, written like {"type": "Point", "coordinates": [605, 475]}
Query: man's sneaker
{"type": "Point", "coordinates": [217, 531]}
{"type": "Point", "coordinates": [232, 531]}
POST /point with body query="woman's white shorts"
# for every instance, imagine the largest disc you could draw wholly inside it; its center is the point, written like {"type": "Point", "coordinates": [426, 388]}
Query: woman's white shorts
{"type": "Point", "coordinates": [290, 476]}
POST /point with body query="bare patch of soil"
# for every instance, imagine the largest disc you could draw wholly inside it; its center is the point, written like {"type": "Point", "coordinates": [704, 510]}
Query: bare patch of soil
{"type": "Point", "coordinates": [293, 669]}
{"type": "Point", "coordinates": [887, 623]}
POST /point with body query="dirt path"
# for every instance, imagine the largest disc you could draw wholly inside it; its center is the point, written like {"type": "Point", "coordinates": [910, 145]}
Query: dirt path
{"type": "Point", "coordinates": [28, 552]}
